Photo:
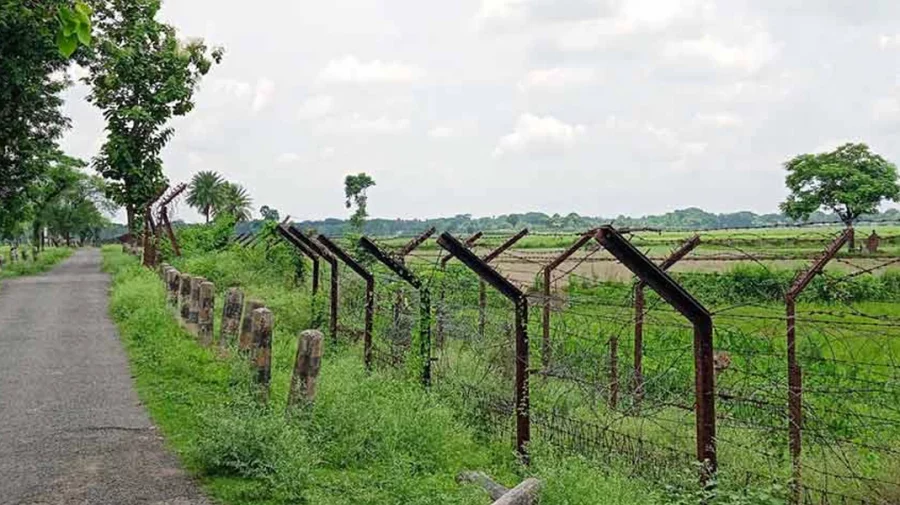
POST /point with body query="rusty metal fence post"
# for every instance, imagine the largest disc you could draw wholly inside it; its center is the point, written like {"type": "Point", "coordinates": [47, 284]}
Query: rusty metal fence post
{"type": "Point", "coordinates": [704, 374]}
{"type": "Point", "coordinates": [441, 316]}
{"type": "Point", "coordinates": [424, 301]}
{"type": "Point", "coordinates": [491, 256]}
{"type": "Point", "coordinates": [292, 239]}
{"type": "Point", "coordinates": [674, 257]}
{"type": "Point", "coordinates": [795, 374]}
{"type": "Point", "coordinates": [367, 276]}
{"type": "Point", "coordinates": [514, 294]}
{"type": "Point", "coordinates": [332, 262]}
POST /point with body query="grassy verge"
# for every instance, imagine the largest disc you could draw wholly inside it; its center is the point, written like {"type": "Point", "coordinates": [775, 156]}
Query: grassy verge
{"type": "Point", "coordinates": [368, 439]}
{"type": "Point", "coordinates": [46, 260]}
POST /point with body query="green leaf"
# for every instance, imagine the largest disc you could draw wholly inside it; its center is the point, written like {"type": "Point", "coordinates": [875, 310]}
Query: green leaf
{"type": "Point", "coordinates": [66, 44]}
{"type": "Point", "coordinates": [84, 34]}
{"type": "Point", "coordinates": [83, 9]}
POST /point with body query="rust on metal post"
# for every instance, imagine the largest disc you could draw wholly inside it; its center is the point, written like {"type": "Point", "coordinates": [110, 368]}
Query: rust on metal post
{"type": "Point", "coordinates": [639, 302]}
{"type": "Point", "coordinates": [309, 253]}
{"type": "Point", "coordinates": [514, 294]}
{"type": "Point", "coordinates": [469, 242]}
{"type": "Point", "coordinates": [482, 292]}
{"type": "Point", "coordinates": [332, 261]}
{"type": "Point", "coordinates": [163, 216]}
{"type": "Point", "coordinates": [704, 373]}
{"type": "Point", "coordinates": [413, 244]}
{"type": "Point", "coordinates": [424, 300]}
{"type": "Point", "coordinates": [546, 348]}
{"type": "Point", "coordinates": [795, 373]}
{"type": "Point", "coordinates": [370, 293]}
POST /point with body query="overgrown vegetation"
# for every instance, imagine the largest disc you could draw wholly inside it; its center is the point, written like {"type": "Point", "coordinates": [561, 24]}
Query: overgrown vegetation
{"type": "Point", "coordinates": [46, 260]}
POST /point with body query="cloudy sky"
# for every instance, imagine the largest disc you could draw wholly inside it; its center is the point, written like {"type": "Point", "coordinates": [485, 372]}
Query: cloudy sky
{"type": "Point", "coordinates": [487, 107]}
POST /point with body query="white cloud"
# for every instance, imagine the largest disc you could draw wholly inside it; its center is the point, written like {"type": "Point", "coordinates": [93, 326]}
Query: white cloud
{"type": "Point", "coordinates": [233, 87]}
{"type": "Point", "coordinates": [265, 88]}
{"type": "Point", "coordinates": [889, 41]}
{"type": "Point", "coordinates": [440, 132]}
{"type": "Point", "coordinates": [194, 159]}
{"type": "Point", "coordinates": [886, 109]}
{"type": "Point", "coordinates": [350, 70]}
{"type": "Point", "coordinates": [539, 134]}
{"type": "Point", "coordinates": [287, 158]}
{"type": "Point", "coordinates": [327, 152]}
{"type": "Point", "coordinates": [316, 107]}
{"type": "Point", "coordinates": [720, 119]}
{"type": "Point", "coordinates": [750, 57]}
{"type": "Point", "coordinates": [359, 124]}
{"type": "Point", "coordinates": [558, 78]}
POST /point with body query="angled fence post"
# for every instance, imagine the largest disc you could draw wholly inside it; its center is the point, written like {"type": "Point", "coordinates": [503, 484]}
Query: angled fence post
{"type": "Point", "coordinates": [367, 276]}
{"type": "Point", "coordinates": [288, 235]}
{"type": "Point", "coordinates": [795, 374]}
{"type": "Point", "coordinates": [546, 348]}
{"type": "Point", "coordinates": [424, 301]}
{"type": "Point", "coordinates": [491, 256]}
{"type": "Point", "coordinates": [514, 294]}
{"type": "Point", "coordinates": [332, 262]}
{"type": "Point", "coordinates": [704, 374]}
{"type": "Point", "coordinates": [470, 241]}
{"type": "Point", "coordinates": [675, 256]}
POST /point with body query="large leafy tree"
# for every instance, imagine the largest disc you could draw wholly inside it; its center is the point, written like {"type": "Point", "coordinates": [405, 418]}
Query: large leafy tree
{"type": "Point", "coordinates": [355, 187]}
{"type": "Point", "coordinates": [235, 202]}
{"type": "Point", "coordinates": [849, 181]}
{"type": "Point", "coordinates": [141, 76]}
{"type": "Point", "coordinates": [205, 192]}
{"type": "Point", "coordinates": [31, 80]}
{"type": "Point", "coordinates": [269, 213]}
{"type": "Point", "coordinates": [60, 177]}
{"type": "Point", "coordinates": [78, 211]}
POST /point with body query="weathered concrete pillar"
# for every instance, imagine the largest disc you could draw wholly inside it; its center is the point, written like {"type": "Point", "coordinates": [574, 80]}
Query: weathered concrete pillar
{"type": "Point", "coordinates": [261, 325]}
{"type": "Point", "coordinates": [184, 298]}
{"type": "Point", "coordinates": [205, 312]}
{"type": "Point", "coordinates": [306, 368]}
{"type": "Point", "coordinates": [194, 305]}
{"type": "Point", "coordinates": [246, 339]}
{"type": "Point", "coordinates": [174, 284]}
{"type": "Point", "coordinates": [231, 317]}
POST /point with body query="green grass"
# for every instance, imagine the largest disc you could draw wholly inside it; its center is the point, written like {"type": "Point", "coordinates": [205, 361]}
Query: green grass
{"type": "Point", "coordinates": [46, 260]}
{"type": "Point", "coordinates": [369, 438]}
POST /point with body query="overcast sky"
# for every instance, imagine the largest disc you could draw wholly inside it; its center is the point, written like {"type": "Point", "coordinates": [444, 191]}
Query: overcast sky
{"type": "Point", "coordinates": [488, 107]}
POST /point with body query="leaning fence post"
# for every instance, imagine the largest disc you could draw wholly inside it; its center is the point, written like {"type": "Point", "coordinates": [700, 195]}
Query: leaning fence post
{"type": "Point", "coordinates": [231, 316]}
{"type": "Point", "coordinates": [515, 295]}
{"type": "Point", "coordinates": [704, 371]}
{"type": "Point", "coordinates": [306, 368]}
{"type": "Point", "coordinates": [329, 258]}
{"type": "Point", "coordinates": [339, 254]}
{"type": "Point", "coordinates": [482, 291]}
{"type": "Point", "coordinates": [245, 343]}
{"type": "Point", "coordinates": [261, 328]}
{"type": "Point", "coordinates": [795, 374]}
{"type": "Point", "coordinates": [205, 312]}
{"type": "Point", "coordinates": [441, 313]}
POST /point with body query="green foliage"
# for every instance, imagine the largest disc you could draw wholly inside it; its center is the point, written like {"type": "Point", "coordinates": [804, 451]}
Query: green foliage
{"type": "Point", "coordinates": [235, 202]}
{"type": "Point", "coordinates": [269, 214]}
{"type": "Point", "coordinates": [46, 260]}
{"type": "Point", "coordinates": [355, 188]}
{"type": "Point", "coordinates": [205, 192]}
{"type": "Point", "coordinates": [197, 239]}
{"type": "Point", "coordinates": [74, 27]}
{"type": "Point", "coordinates": [849, 181]}
{"type": "Point", "coordinates": [141, 76]}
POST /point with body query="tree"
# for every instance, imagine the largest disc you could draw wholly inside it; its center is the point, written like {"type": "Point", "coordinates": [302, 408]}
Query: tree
{"type": "Point", "coordinates": [62, 175]}
{"type": "Point", "coordinates": [205, 192]}
{"type": "Point", "coordinates": [269, 214]}
{"type": "Point", "coordinates": [141, 75]}
{"type": "Point", "coordinates": [235, 202]}
{"type": "Point", "coordinates": [31, 121]}
{"type": "Point", "coordinates": [849, 181]}
{"type": "Point", "coordinates": [355, 187]}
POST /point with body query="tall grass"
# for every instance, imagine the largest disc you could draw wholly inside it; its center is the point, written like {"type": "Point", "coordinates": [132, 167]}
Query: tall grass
{"type": "Point", "coordinates": [47, 259]}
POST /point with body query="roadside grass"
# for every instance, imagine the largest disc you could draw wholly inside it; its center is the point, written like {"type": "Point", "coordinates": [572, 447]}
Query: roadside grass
{"type": "Point", "coordinates": [368, 438]}
{"type": "Point", "coordinates": [46, 260]}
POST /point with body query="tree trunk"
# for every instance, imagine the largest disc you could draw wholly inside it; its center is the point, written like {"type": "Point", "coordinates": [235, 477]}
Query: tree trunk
{"type": "Point", "coordinates": [129, 212]}
{"type": "Point", "coordinates": [851, 244]}
{"type": "Point", "coordinates": [206, 211]}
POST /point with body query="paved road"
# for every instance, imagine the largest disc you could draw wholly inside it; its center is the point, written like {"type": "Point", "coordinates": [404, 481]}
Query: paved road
{"type": "Point", "coordinates": [72, 429]}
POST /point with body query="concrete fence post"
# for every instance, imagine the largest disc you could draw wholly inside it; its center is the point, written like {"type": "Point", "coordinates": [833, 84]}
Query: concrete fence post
{"type": "Point", "coordinates": [184, 298]}
{"type": "Point", "coordinates": [261, 323]}
{"type": "Point", "coordinates": [246, 339]}
{"type": "Point", "coordinates": [205, 313]}
{"type": "Point", "coordinates": [306, 368]}
{"type": "Point", "coordinates": [194, 305]}
{"type": "Point", "coordinates": [174, 284]}
{"type": "Point", "coordinates": [231, 317]}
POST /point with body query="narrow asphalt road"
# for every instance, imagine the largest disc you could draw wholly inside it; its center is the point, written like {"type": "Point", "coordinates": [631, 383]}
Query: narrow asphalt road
{"type": "Point", "coordinates": [72, 429]}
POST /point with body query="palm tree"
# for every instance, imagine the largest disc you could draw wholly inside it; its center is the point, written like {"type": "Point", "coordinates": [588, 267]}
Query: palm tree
{"type": "Point", "coordinates": [235, 201]}
{"type": "Point", "coordinates": [205, 192]}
